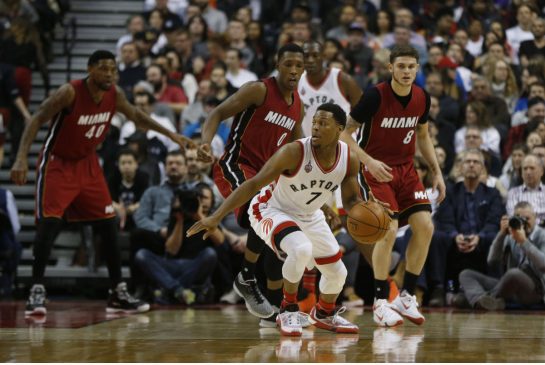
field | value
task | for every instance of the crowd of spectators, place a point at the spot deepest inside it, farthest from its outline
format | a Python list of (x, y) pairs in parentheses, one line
[(481, 61)]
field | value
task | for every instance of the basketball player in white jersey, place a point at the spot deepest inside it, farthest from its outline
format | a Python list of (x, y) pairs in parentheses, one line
[(296, 181)]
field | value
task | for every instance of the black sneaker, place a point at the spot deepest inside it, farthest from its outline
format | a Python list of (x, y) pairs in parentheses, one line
[(121, 301), (256, 303), (35, 304)]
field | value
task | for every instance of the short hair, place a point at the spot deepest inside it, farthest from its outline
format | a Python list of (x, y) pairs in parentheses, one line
[(520, 147), (237, 51), (474, 151), (524, 205), (403, 51), (338, 113), (100, 55), (150, 96), (160, 67), (290, 47), (538, 83), (175, 153), (127, 151)]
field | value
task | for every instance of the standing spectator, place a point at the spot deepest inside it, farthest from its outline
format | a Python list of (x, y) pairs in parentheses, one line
[(237, 75), (532, 190), (10, 248), (172, 95), (126, 187), (10, 102), (470, 216), (518, 256)]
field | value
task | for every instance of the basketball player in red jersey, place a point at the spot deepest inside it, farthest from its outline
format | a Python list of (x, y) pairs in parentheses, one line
[(70, 181), (393, 116), (268, 115)]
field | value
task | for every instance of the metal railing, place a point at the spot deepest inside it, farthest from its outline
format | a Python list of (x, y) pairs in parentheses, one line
[(69, 41)]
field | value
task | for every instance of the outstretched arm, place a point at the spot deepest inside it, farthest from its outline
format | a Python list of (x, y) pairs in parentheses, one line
[(252, 93), (62, 98), (285, 159), (143, 121)]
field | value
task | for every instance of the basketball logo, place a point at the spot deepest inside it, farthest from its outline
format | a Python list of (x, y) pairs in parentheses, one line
[(308, 167), (266, 225)]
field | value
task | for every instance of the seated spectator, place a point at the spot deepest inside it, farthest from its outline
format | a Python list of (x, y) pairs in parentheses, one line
[(449, 109), (520, 133), (496, 108), (502, 81), (160, 109), (533, 47), (517, 255), (216, 19), (171, 94), (221, 87), (535, 90), (130, 69), (512, 171), (10, 248), (237, 75), (532, 190), (357, 52), (135, 23), (468, 218), (153, 215), (236, 35), (158, 145), (188, 261), (347, 15), (162, 7), (144, 42), (476, 116), (441, 132), (126, 187), (138, 143)]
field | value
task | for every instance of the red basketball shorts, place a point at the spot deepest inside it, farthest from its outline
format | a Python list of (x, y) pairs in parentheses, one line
[(75, 189), (228, 177), (405, 193)]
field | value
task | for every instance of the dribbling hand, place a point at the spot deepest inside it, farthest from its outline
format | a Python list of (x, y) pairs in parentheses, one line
[(380, 171), (204, 154), (19, 172)]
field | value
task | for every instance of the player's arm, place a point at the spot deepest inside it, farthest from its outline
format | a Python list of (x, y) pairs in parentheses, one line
[(349, 187), (362, 113), (425, 146), (285, 159), (62, 98), (252, 93), (350, 89), (143, 121), (298, 130)]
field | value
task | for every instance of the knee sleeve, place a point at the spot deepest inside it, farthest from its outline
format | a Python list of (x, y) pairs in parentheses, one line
[(299, 250), (254, 243), (273, 266), (333, 277)]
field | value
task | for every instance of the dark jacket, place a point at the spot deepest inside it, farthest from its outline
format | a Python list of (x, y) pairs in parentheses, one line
[(450, 214)]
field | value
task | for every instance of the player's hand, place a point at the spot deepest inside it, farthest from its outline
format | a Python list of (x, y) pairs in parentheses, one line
[(384, 204), (333, 220), (19, 172), (380, 171), (210, 224), (204, 154), (439, 184), (182, 141)]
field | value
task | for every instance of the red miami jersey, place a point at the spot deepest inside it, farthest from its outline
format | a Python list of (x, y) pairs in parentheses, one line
[(259, 131), (75, 132), (389, 135)]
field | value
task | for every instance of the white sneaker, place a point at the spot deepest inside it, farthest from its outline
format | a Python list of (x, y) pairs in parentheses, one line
[(385, 315), (406, 305), (305, 319), (289, 323)]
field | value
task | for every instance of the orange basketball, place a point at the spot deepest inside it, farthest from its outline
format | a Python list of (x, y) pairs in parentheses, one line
[(368, 222)]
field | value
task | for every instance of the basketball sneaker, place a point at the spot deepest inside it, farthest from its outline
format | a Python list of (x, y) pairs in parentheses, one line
[(333, 322), (385, 314), (35, 304), (406, 305), (256, 303), (290, 321), (270, 322), (120, 300)]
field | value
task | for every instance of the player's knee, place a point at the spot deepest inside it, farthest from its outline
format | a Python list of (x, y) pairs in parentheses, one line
[(333, 277), (303, 252)]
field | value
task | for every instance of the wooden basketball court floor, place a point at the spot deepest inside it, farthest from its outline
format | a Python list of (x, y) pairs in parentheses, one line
[(82, 332)]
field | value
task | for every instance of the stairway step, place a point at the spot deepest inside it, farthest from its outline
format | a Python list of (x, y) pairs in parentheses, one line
[(4, 177), (86, 48), (96, 33), (77, 6), (21, 190), (97, 19), (34, 148)]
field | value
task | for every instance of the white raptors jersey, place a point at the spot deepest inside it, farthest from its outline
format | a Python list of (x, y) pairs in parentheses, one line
[(304, 192), (313, 96)]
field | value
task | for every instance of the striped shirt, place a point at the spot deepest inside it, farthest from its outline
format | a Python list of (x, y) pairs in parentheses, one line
[(536, 197)]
